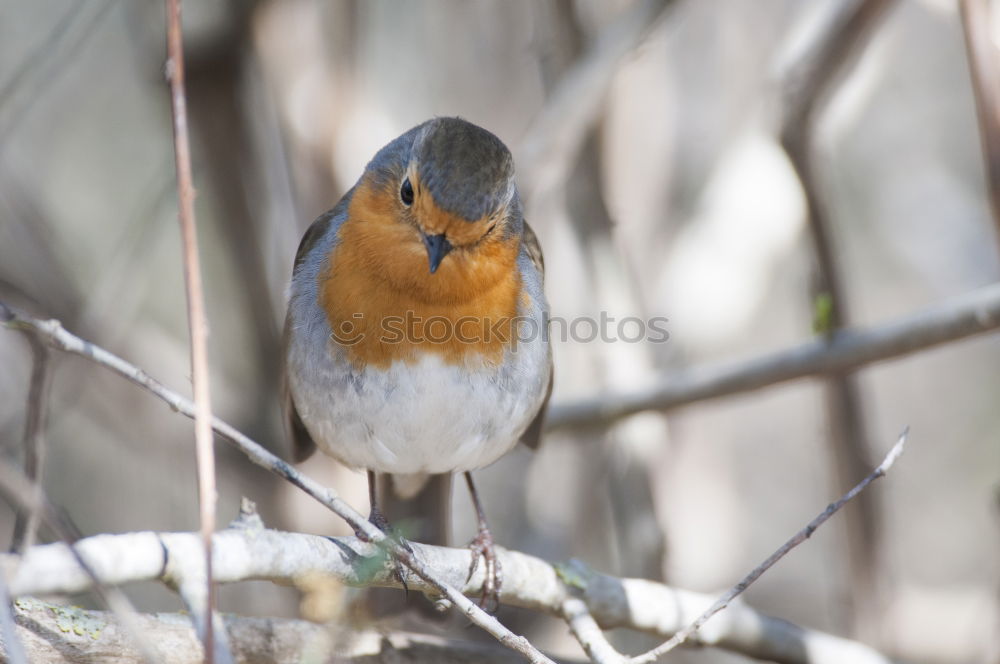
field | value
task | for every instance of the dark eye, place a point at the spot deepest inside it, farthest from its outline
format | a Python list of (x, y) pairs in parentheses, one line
[(489, 230), (406, 192)]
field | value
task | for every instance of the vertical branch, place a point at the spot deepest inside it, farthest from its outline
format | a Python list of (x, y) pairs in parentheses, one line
[(984, 67), (805, 88), (196, 307), (26, 524)]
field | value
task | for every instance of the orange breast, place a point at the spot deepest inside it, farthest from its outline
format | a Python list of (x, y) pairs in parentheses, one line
[(384, 305)]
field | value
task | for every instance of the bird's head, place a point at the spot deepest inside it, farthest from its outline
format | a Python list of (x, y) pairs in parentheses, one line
[(448, 186)]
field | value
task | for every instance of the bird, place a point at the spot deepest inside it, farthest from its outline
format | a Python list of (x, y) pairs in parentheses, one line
[(414, 344)]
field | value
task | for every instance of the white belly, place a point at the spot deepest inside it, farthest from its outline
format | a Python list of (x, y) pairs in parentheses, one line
[(426, 417)]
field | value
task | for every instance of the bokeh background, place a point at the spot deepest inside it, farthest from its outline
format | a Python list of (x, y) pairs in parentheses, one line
[(680, 203)]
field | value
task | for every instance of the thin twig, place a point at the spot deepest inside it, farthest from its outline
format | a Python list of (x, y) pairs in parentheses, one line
[(197, 322), (801, 536), (59, 338), (26, 523), (984, 65), (963, 316)]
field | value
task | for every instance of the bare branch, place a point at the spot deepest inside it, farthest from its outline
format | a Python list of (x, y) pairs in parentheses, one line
[(964, 316), (984, 65), (197, 324), (247, 552), (75, 636), (59, 338), (589, 634), (801, 536)]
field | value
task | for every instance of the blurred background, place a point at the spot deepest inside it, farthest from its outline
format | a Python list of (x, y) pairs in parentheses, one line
[(674, 198)]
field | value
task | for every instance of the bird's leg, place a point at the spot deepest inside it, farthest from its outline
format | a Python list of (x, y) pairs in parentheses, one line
[(375, 516), (377, 519), (482, 545)]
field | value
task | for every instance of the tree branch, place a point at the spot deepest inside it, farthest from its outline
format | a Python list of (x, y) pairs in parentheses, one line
[(964, 316), (70, 635), (250, 552), (201, 602), (589, 634)]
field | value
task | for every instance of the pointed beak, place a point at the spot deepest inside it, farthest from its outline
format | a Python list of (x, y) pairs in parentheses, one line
[(437, 248)]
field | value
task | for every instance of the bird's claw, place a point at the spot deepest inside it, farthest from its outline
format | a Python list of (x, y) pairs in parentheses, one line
[(483, 545)]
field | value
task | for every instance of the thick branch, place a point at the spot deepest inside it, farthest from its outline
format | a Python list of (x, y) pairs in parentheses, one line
[(247, 553), (74, 636), (963, 316)]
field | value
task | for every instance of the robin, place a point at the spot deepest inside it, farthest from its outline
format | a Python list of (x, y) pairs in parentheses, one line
[(414, 341)]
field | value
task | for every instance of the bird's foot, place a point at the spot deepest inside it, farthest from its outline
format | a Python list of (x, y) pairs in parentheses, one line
[(482, 545)]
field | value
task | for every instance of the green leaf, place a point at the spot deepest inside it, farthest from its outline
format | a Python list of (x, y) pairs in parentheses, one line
[(823, 314)]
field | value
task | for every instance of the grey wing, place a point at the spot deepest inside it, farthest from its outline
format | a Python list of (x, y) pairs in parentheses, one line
[(302, 443), (532, 436)]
